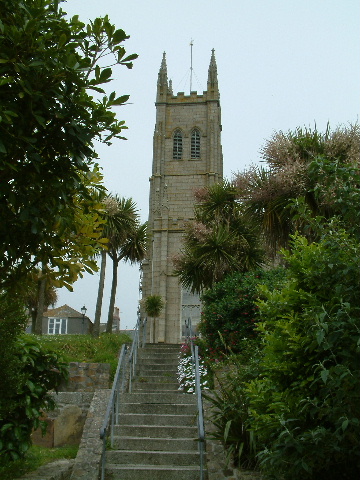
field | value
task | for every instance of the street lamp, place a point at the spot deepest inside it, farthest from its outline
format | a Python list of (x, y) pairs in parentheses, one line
[(83, 311)]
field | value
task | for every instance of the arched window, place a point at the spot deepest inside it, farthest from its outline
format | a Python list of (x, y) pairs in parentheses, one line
[(177, 145), (195, 143)]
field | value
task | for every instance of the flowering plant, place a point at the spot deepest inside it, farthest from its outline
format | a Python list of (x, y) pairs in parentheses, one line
[(186, 371)]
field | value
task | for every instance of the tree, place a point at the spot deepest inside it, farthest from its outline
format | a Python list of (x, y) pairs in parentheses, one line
[(48, 124), (230, 309), (153, 306), (36, 280), (304, 168), (218, 242), (126, 242), (120, 217)]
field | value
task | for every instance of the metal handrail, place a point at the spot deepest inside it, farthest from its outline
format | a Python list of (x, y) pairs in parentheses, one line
[(133, 353), (196, 369), (112, 411)]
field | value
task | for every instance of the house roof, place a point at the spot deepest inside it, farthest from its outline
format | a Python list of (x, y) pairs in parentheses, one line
[(63, 311)]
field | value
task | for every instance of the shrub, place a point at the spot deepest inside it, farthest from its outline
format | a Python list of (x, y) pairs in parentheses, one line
[(38, 372), (230, 312), (230, 406), (305, 404)]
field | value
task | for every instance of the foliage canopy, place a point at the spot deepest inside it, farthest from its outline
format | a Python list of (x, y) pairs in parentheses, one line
[(48, 123)]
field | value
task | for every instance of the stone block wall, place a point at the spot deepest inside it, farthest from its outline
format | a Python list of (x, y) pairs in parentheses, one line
[(87, 377), (65, 424)]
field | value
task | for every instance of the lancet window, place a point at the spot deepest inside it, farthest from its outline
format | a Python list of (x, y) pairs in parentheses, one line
[(195, 143), (178, 145)]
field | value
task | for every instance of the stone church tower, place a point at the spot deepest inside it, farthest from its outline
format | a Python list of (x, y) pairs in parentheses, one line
[(187, 155)]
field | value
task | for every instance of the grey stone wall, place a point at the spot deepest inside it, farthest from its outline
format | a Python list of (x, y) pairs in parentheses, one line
[(86, 377)]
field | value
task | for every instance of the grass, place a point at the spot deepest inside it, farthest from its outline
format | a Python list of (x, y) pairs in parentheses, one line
[(34, 458), (85, 348)]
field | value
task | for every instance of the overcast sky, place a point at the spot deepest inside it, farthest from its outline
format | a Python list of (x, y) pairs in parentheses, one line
[(282, 64)]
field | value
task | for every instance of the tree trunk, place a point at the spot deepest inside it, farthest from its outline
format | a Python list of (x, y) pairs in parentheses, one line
[(33, 319), (112, 296), (96, 329), (41, 303)]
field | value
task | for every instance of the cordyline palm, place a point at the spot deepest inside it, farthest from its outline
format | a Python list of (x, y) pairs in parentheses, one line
[(306, 169), (128, 245), (120, 215), (218, 242)]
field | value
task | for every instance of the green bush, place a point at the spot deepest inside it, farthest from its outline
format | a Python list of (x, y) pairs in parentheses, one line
[(230, 311), (38, 372), (305, 403)]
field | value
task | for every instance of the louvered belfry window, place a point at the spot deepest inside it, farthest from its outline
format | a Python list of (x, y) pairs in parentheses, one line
[(178, 145), (195, 143)]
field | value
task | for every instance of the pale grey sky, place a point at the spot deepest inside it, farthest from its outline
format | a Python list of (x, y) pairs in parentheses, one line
[(282, 64)]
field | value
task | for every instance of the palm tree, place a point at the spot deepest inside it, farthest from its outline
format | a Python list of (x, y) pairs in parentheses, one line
[(306, 170), (218, 242), (127, 244), (153, 305), (120, 216)]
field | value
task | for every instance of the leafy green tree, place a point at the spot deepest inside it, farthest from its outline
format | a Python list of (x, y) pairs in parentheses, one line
[(31, 295), (218, 242), (48, 123), (126, 241), (230, 311), (305, 402)]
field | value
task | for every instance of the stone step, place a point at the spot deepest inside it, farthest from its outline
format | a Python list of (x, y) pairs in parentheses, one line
[(160, 408), (160, 358), (152, 457), (155, 444), (156, 431), (152, 472), (158, 398), (168, 378), (155, 367), (154, 387), (158, 419)]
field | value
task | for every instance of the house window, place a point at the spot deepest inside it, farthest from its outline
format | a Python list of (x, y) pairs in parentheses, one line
[(57, 326), (195, 143), (177, 145)]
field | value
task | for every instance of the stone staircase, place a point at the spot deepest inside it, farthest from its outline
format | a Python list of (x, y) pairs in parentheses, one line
[(157, 435)]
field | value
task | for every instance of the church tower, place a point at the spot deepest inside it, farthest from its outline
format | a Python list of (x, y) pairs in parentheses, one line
[(187, 155)]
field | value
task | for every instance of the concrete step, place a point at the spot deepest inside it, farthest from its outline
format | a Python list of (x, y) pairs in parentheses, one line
[(167, 359), (168, 378), (152, 472), (158, 419), (158, 398), (155, 444), (154, 387), (161, 408), (152, 457), (156, 367), (156, 431)]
